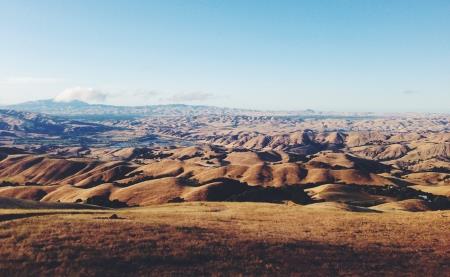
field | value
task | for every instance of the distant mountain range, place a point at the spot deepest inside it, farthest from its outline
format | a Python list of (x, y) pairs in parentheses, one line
[(82, 109), (17, 122), (79, 108)]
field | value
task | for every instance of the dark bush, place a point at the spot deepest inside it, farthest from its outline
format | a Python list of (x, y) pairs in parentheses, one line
[(440, 203), (176, 200), (105, 202), (273, 194)]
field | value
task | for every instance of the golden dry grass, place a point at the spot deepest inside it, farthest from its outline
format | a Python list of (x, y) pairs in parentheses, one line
[(224, 239)]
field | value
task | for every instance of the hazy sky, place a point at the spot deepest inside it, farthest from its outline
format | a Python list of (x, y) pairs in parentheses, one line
[(345, 55)]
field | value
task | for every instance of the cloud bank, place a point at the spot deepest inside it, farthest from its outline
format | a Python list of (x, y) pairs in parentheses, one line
[(122, 97), (88, 95)]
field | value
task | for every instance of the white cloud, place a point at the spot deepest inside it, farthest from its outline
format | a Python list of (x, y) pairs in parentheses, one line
[(89, 95), (189, 97)]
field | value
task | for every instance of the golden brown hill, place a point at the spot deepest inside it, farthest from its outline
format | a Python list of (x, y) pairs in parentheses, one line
[(337, 207), (185, 174), (13, 203), (410, 205), (431, 165), (205, 152), (73, 194), (254, 168), (218, 190), (249, 158), (428, 178), (345, 176), (393, 151), (347, 194), (363, 138), (346, 161), (150, 192), (43, 170), (443, 190), (334, 138), (26, 192), (425, 151)]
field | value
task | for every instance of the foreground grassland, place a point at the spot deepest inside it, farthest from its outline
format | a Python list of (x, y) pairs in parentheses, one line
[(223, 239)]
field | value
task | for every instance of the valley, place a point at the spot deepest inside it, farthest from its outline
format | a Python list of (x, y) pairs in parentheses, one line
[(227, 157), (229, 191)]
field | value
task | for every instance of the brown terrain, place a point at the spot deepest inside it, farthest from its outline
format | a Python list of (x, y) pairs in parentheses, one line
[(223, 238), (201, 194)]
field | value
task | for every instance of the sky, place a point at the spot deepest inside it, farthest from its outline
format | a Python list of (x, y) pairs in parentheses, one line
[(329, 55)]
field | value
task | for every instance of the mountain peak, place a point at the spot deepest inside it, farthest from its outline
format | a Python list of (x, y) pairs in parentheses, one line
[(71, 102)]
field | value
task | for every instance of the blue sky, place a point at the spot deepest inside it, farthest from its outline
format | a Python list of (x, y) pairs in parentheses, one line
[(342, 55)]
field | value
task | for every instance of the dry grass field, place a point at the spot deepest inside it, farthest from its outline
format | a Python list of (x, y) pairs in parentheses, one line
[(201, 238)]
